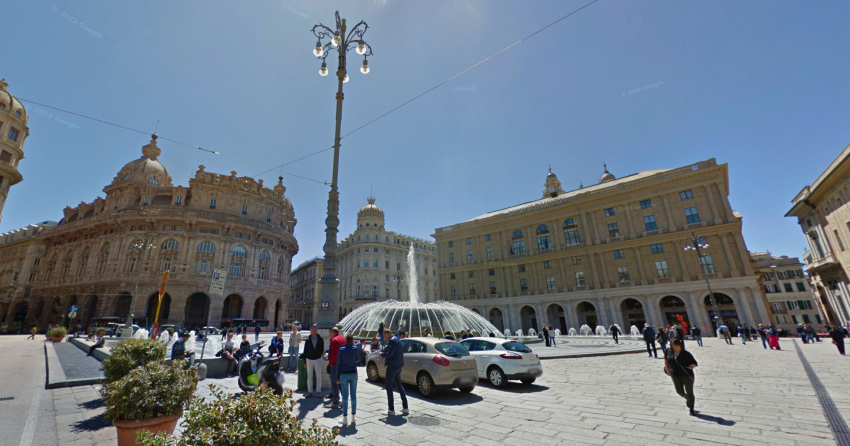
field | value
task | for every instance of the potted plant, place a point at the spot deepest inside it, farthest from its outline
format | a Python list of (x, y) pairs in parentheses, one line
[(150, 398), (129, 354), (258, 418), (57, 334)]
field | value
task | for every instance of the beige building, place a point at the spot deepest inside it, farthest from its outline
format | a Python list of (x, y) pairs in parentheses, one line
[(305, 291), (91, 258), (13, 132), (608, 253), (787, 290), (823, 213), (373, 263)]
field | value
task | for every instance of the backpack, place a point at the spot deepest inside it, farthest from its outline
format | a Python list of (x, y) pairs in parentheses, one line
[(723, 329)]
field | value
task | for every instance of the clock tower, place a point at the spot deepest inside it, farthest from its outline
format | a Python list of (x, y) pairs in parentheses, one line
[(552, 186)]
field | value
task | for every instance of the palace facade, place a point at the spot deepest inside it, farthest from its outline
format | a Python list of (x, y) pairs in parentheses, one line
[(787, 291), (13, 133), (305, 292), (605, 254), (94, 256)]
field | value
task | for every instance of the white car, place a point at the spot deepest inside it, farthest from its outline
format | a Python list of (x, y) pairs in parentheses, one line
[(500, 360)]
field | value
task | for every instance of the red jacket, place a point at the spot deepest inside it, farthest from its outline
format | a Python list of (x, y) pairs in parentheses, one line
[(336, 342)]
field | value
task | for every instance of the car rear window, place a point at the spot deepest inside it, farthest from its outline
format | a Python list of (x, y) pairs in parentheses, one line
[(451, 349), (513, 346)]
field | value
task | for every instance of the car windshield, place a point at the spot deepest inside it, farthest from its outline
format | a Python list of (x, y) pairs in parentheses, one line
[(514, 346), (452, 349)]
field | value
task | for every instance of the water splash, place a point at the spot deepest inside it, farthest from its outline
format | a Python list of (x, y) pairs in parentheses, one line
[(412, 277)]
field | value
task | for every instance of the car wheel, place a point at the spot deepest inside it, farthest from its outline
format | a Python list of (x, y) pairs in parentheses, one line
[(426, 385), (496, 377), (528, 381), (466, 389), (372, 372)]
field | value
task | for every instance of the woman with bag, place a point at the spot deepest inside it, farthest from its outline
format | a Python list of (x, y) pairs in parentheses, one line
[(347, 378), (679, 364)]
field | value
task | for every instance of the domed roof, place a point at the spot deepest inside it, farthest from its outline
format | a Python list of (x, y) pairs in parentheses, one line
[(606, 176), (9, 101), (146, 167), (371, 209)]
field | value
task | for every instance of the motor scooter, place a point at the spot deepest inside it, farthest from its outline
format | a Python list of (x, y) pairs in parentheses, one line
[(256, 370)]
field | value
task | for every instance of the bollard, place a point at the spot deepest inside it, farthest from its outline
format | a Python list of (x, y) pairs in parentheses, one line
[(202, 371), (302, 375)]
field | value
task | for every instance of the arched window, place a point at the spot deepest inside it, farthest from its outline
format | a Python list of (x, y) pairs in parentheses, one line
[(517, 243), (204, 258), (237, 261), (264, 265), (66, 265), (82, 263), (171, 245), (153, 181), (102, 257), (543, 238), (168, 255), (280, 270), (571, 236), (206, 247)]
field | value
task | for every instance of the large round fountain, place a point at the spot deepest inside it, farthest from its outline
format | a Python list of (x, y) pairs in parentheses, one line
[(439, 318)]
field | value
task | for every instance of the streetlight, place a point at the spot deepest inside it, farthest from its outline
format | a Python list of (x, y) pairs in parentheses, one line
[(694, 243), (341, 40), (139, 246), (398, 279)]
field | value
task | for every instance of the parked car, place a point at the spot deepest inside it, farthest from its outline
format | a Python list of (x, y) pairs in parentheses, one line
[(501, 360), (432, 364), (211, 331)]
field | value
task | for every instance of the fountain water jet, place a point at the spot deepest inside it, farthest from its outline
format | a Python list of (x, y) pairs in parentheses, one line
[(585, 330), (634, 331), (572, 332)]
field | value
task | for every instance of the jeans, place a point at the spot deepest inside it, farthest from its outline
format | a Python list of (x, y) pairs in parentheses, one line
[(804, 337), (699, 339), (552, 340), (334, 385), (314, 369), (382, 341), (616, 338), (293, 358), (663, 347), (348, 383), (764, 342), (685, 388), (744, 339), (651, 348), (728, 338), (394, 378)]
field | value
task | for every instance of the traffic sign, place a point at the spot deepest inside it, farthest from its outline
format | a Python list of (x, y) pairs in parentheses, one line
[(75, 308), (72, 314), (219, 278)]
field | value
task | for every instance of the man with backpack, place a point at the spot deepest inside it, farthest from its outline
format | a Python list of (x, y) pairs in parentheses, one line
[(724, 331)]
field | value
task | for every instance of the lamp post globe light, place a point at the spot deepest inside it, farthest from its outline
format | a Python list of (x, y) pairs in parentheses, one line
[(341, 40), (696, 243), (139, 246)]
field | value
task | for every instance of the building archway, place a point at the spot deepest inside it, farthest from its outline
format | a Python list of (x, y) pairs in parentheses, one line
[(232, 307), (260, 308), (587, 315), (476, 311), (557, 317), (632, 314), (37, 310), (88, 312), (277, 315), (528, 318), (122, 305), (164, 308), (18, 314), (496, 319), (54, 313), (197, 310), (674, 311), (728, 311)]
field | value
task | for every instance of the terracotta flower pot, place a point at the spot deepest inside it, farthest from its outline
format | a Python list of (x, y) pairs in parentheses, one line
[(127, 429), (57, 338)]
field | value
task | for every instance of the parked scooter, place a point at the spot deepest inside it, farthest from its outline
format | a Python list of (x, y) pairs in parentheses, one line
[(255, 370)]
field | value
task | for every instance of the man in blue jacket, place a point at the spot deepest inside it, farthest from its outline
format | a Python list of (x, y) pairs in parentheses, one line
[(394, 360), (649, 339)]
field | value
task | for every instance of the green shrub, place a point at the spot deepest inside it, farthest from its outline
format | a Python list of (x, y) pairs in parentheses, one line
[(57, 332), (150, 391), (129, 354), (258, 419)]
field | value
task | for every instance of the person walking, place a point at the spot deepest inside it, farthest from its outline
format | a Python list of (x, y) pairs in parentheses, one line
[(294, 346), (381, 335), (337, 342), (837, 334), (679, 364), (697, 334), (649, 339), (662, 340), (801, 332), (394, 361), (347, 358), (545, 335), (762, 333), (742, 333), (773, 338), (724, 331), (257, 333), (680, 333), (313, 350), (615, 333), (33, 332)]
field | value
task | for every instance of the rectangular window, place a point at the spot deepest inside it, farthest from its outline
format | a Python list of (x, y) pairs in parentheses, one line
[(518, 246), (451, 258), (657, 248), (613, 230), (619, 254), (488, 237), (645, 204), (5, 156), (609, 212), (692, 215), (13, 134), (792, 305), (451, 244), (470, 274), (468, 255), (468, 241), (375, 263), (807, 319), (801, 286), (387, 264), (649, 223), (788, 288), (550, 282), (491, 272), (521, 268), (244, 209), (493, 288), (489, 252), (771, 288), (178, 200), (452, 276), (269, 217), (546, 264), (661, 269), (523, 284), (838, 239), (686, 195), (454, 291), (576, 260), (212, 203), (398, 266), (365, 263), (623, 273), (147, 200), (817, 318), (472, 289), (580, 279), (707, 264), (374, 249)]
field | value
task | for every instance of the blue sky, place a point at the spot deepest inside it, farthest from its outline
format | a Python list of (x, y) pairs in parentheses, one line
[(760, 85)]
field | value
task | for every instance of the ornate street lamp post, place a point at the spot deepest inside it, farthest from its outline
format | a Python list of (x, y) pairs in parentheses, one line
[(139, 246), (341, 40), (695, 243)]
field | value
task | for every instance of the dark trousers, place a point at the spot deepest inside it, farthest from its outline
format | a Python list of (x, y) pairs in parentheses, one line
[(651, 348), (663, 347), (699, 339), (394, 379), (840, 344), (616, 338), (334, 386), (764, 342), (685, 388)]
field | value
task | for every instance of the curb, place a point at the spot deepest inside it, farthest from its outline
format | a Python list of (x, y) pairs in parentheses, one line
[(55, 375), (590, 355)]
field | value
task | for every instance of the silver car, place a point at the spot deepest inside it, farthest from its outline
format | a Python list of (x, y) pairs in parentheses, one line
[(432, 364), (500, 360)]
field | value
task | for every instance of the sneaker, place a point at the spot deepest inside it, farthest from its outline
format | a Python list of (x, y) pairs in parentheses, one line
[(344, 421), (353, 421), (308, 395), (405, 412), (693, 413), (333, 405), (389, 413)]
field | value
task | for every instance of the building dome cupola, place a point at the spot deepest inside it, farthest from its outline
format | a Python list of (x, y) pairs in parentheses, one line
[(147, 169), (606, 176), (552, 187), (370, 216)]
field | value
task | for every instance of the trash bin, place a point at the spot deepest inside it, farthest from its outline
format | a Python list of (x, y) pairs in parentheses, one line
[(302, 375)]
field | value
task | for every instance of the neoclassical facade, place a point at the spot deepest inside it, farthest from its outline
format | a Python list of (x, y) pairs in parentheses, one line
[(305, 291), (13, 132), (373, 263), (787, 290), (608, 253), (823, 213), (144, 226)]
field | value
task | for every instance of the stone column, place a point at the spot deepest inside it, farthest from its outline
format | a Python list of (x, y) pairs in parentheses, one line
[(714, 215), (631, 226), (587, 237), (671, 225), (643, 279), (697, 313), (572, 317), (743, 308)]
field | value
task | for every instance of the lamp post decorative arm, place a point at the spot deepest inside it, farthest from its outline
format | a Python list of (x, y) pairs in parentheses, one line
[(140, 245), (695, 243)]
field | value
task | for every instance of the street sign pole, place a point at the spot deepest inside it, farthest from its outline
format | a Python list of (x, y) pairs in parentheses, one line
[(162, 285), (219, 277)]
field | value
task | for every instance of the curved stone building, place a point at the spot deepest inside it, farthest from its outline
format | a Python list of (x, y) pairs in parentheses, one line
[(13, 132), (144, 226)]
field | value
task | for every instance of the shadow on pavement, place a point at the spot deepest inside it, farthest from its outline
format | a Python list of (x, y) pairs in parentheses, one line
[(92, 424), (450, 397), (515, 387), (345, 431), (718, 420), (394, 421), (92, 404), (305, 405)]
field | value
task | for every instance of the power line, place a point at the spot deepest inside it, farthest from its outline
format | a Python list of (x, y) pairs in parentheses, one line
[(441, 83), (166, 139)]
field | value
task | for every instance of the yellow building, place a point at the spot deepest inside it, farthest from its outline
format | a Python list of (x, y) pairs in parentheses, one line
[(787, 290), (304, 292), (13, 133), (604, 254)]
